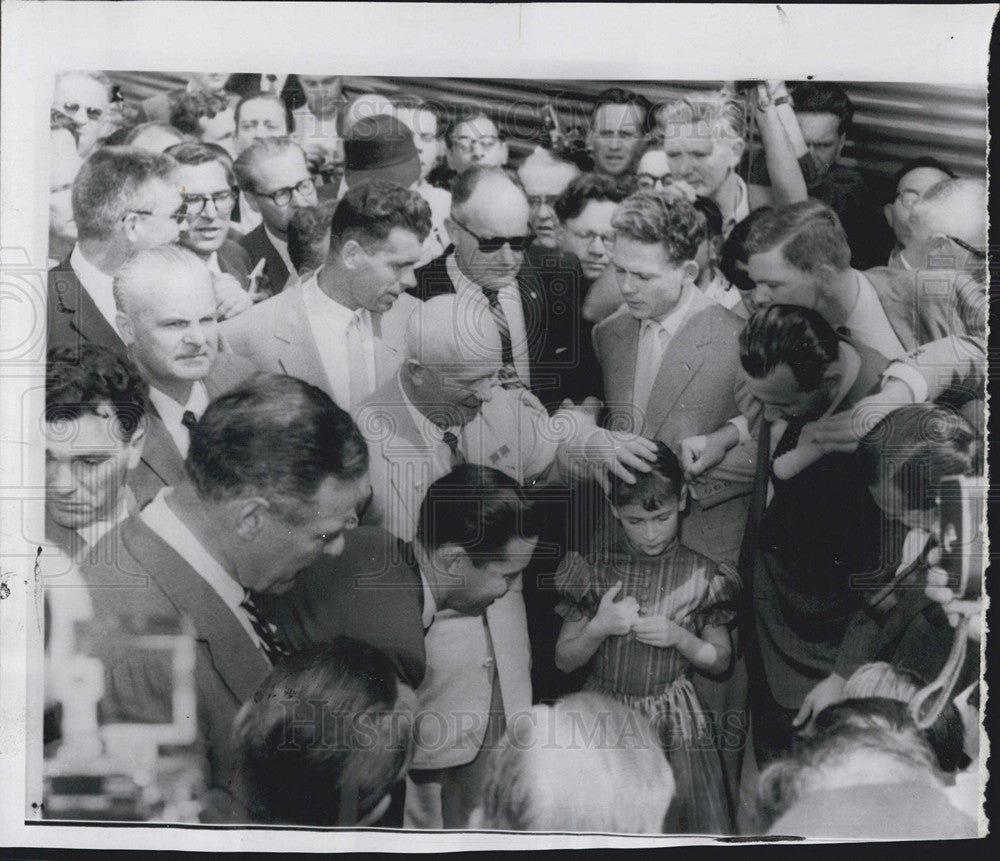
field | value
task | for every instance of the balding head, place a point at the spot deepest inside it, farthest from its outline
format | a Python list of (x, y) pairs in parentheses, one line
[(453, 353), (950, 216), (487, 204), (166, 314), (364, 106)]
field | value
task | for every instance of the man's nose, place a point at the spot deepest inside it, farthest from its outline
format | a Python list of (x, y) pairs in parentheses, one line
[(408, 278), (334, 547), (761, 296), (196, 334)]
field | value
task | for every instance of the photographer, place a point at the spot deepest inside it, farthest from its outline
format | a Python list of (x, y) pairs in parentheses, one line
[(907, 621)]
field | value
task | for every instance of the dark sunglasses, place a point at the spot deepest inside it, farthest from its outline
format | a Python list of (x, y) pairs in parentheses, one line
[(492, 244)]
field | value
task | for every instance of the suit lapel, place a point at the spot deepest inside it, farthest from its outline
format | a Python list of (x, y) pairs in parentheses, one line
[(160, 452), (622, 355), (85, 319), (238, 661), (686, 353), (298, 355)]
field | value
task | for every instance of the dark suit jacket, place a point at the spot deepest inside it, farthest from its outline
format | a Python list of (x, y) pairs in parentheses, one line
[(370, 592), (161, 464), (73, 317), (257, 245), (234, 260), (560, 354)]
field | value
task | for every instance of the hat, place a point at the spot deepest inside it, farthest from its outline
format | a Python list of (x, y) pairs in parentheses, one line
[(380, 147)]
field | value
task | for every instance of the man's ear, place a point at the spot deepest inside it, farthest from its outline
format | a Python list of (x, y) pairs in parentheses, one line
[(887, 212), (682, 498), (832, 377), (840, 145), (125, 328), (689, 270), (416, 372), (506, 152), (452, 229), (351, 253), (249, 515), (736, 147), (451, 559), (128, 226)]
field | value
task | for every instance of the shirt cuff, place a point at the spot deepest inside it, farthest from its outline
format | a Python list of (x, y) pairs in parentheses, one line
[(742, 427), (909, 375)]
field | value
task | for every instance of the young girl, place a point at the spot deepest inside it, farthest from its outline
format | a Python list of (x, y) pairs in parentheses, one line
[(643, 611)]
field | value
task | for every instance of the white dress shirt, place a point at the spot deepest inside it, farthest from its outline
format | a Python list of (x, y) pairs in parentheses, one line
[(98, 284), (158, 517), (172, 412), (510, 304), (94, 532), (654, 338), (330, 322), (869, 324)]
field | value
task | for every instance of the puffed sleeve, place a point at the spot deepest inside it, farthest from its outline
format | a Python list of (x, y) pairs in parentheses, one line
[(576, 583), (722, 591)]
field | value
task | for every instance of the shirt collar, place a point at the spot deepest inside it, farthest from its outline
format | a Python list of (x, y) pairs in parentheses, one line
[(93, 532), (671, 321), (323, 304), (851, 364), (172, 412), (87, 272)]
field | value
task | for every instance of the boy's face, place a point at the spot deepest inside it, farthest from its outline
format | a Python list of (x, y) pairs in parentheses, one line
[(650, 532)]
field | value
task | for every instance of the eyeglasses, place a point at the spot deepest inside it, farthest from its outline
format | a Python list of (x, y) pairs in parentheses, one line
[(178, 217), (975, 252), (647, 180), (492, 244), (537, 201), (283, 196), (589, 236), (465, 144), (93, 114), (223, 201)]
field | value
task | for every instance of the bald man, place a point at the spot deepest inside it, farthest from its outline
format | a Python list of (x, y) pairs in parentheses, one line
[(535, 308), (948, 227), (544, 178), (167, 317)]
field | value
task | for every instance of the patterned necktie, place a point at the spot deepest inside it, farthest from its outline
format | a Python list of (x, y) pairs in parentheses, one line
[(267, 633), (789, 439), (189, 420), (457, 458), (508, 373)]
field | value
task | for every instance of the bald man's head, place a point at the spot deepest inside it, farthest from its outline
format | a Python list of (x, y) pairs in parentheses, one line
[(487, 205), (166, 314), (453, 354), (364, 106), (948, 226)]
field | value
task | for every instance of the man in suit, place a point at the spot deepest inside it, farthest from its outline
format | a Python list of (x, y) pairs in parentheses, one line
[(95, 427), (124, 200), (209, 192), (167, 317), (536, 312), (273, 175), (477, 531), (670, 359), (343, 328), (275, 474)]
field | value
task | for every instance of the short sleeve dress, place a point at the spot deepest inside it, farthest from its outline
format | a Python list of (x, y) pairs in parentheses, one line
[(694, 592)]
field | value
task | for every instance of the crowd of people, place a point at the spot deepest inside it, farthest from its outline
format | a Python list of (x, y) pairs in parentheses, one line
[(598, 489)]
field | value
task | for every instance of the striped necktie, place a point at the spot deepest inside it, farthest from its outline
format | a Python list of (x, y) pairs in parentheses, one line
[(457, 458), (508, 373), (267, 633)]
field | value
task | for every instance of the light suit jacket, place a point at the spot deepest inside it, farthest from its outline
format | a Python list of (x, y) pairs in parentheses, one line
[(277, 337), (694, 393)]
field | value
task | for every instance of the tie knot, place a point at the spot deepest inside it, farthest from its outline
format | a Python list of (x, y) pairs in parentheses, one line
[(189, 419), (451, 441)]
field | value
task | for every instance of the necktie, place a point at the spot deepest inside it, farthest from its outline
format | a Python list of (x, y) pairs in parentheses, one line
[(267, 633), (189, 420), (508, 373), (789, 439), (357, 362), (457, 458), (655, 343)]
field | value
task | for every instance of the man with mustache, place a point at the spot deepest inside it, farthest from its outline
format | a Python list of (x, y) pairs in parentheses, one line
[(167, 316)]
